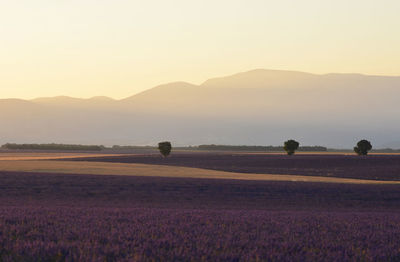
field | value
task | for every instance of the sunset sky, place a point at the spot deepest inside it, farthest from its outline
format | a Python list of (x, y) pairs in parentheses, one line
[(86, 48)]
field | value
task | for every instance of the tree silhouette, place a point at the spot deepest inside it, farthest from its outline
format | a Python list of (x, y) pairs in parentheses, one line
[(290, 146), (362, 148), (165, 148)]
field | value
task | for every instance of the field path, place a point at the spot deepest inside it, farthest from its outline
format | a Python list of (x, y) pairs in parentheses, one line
[(103, 168)]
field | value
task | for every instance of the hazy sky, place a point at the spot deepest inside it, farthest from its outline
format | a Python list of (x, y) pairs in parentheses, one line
[(117, 48)]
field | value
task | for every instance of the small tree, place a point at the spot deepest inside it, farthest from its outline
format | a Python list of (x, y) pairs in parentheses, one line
[(165, 148), (362, 148), (290, 146)]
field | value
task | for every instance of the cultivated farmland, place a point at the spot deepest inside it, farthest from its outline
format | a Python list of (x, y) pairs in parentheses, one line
[(145, 208), (374, 167)]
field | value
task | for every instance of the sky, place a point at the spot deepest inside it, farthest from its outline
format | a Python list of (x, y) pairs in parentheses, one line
[(116, 48)]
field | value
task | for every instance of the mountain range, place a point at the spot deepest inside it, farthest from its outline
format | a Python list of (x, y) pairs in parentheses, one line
[(258, 107)]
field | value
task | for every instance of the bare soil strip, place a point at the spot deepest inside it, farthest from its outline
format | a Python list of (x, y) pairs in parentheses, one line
[(101, 168)]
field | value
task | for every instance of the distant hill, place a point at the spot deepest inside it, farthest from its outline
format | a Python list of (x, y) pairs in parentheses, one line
[(66, 101), (259, 107), (261, 78)]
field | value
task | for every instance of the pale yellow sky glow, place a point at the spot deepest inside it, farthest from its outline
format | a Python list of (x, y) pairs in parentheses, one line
[(86, 48)]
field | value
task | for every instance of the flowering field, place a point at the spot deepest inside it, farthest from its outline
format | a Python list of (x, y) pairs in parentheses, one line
[(376, 167), (66, 217), (17, 188), (113, 234)]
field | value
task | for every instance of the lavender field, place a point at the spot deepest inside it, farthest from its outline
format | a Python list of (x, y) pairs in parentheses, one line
[(375, 167), (199, 131), (62, 217), (138, 234)]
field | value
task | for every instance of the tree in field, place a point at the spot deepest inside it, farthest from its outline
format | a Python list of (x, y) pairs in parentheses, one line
[(165, 148), (362, 148), (290, 146)]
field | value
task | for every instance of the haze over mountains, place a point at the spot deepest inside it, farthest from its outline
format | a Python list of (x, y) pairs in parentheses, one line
[(259, 107)]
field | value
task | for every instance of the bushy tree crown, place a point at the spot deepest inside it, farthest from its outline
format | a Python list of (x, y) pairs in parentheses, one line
[(165, 148), (291, 146)]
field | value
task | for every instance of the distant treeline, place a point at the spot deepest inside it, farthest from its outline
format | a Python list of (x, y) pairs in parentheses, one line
[(385, 150), (211, 147), (53, 147), (260, 148), (133, 147), (378, 150)]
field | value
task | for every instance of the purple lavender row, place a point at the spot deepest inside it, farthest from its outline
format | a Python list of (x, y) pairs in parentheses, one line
[(107, 234)]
